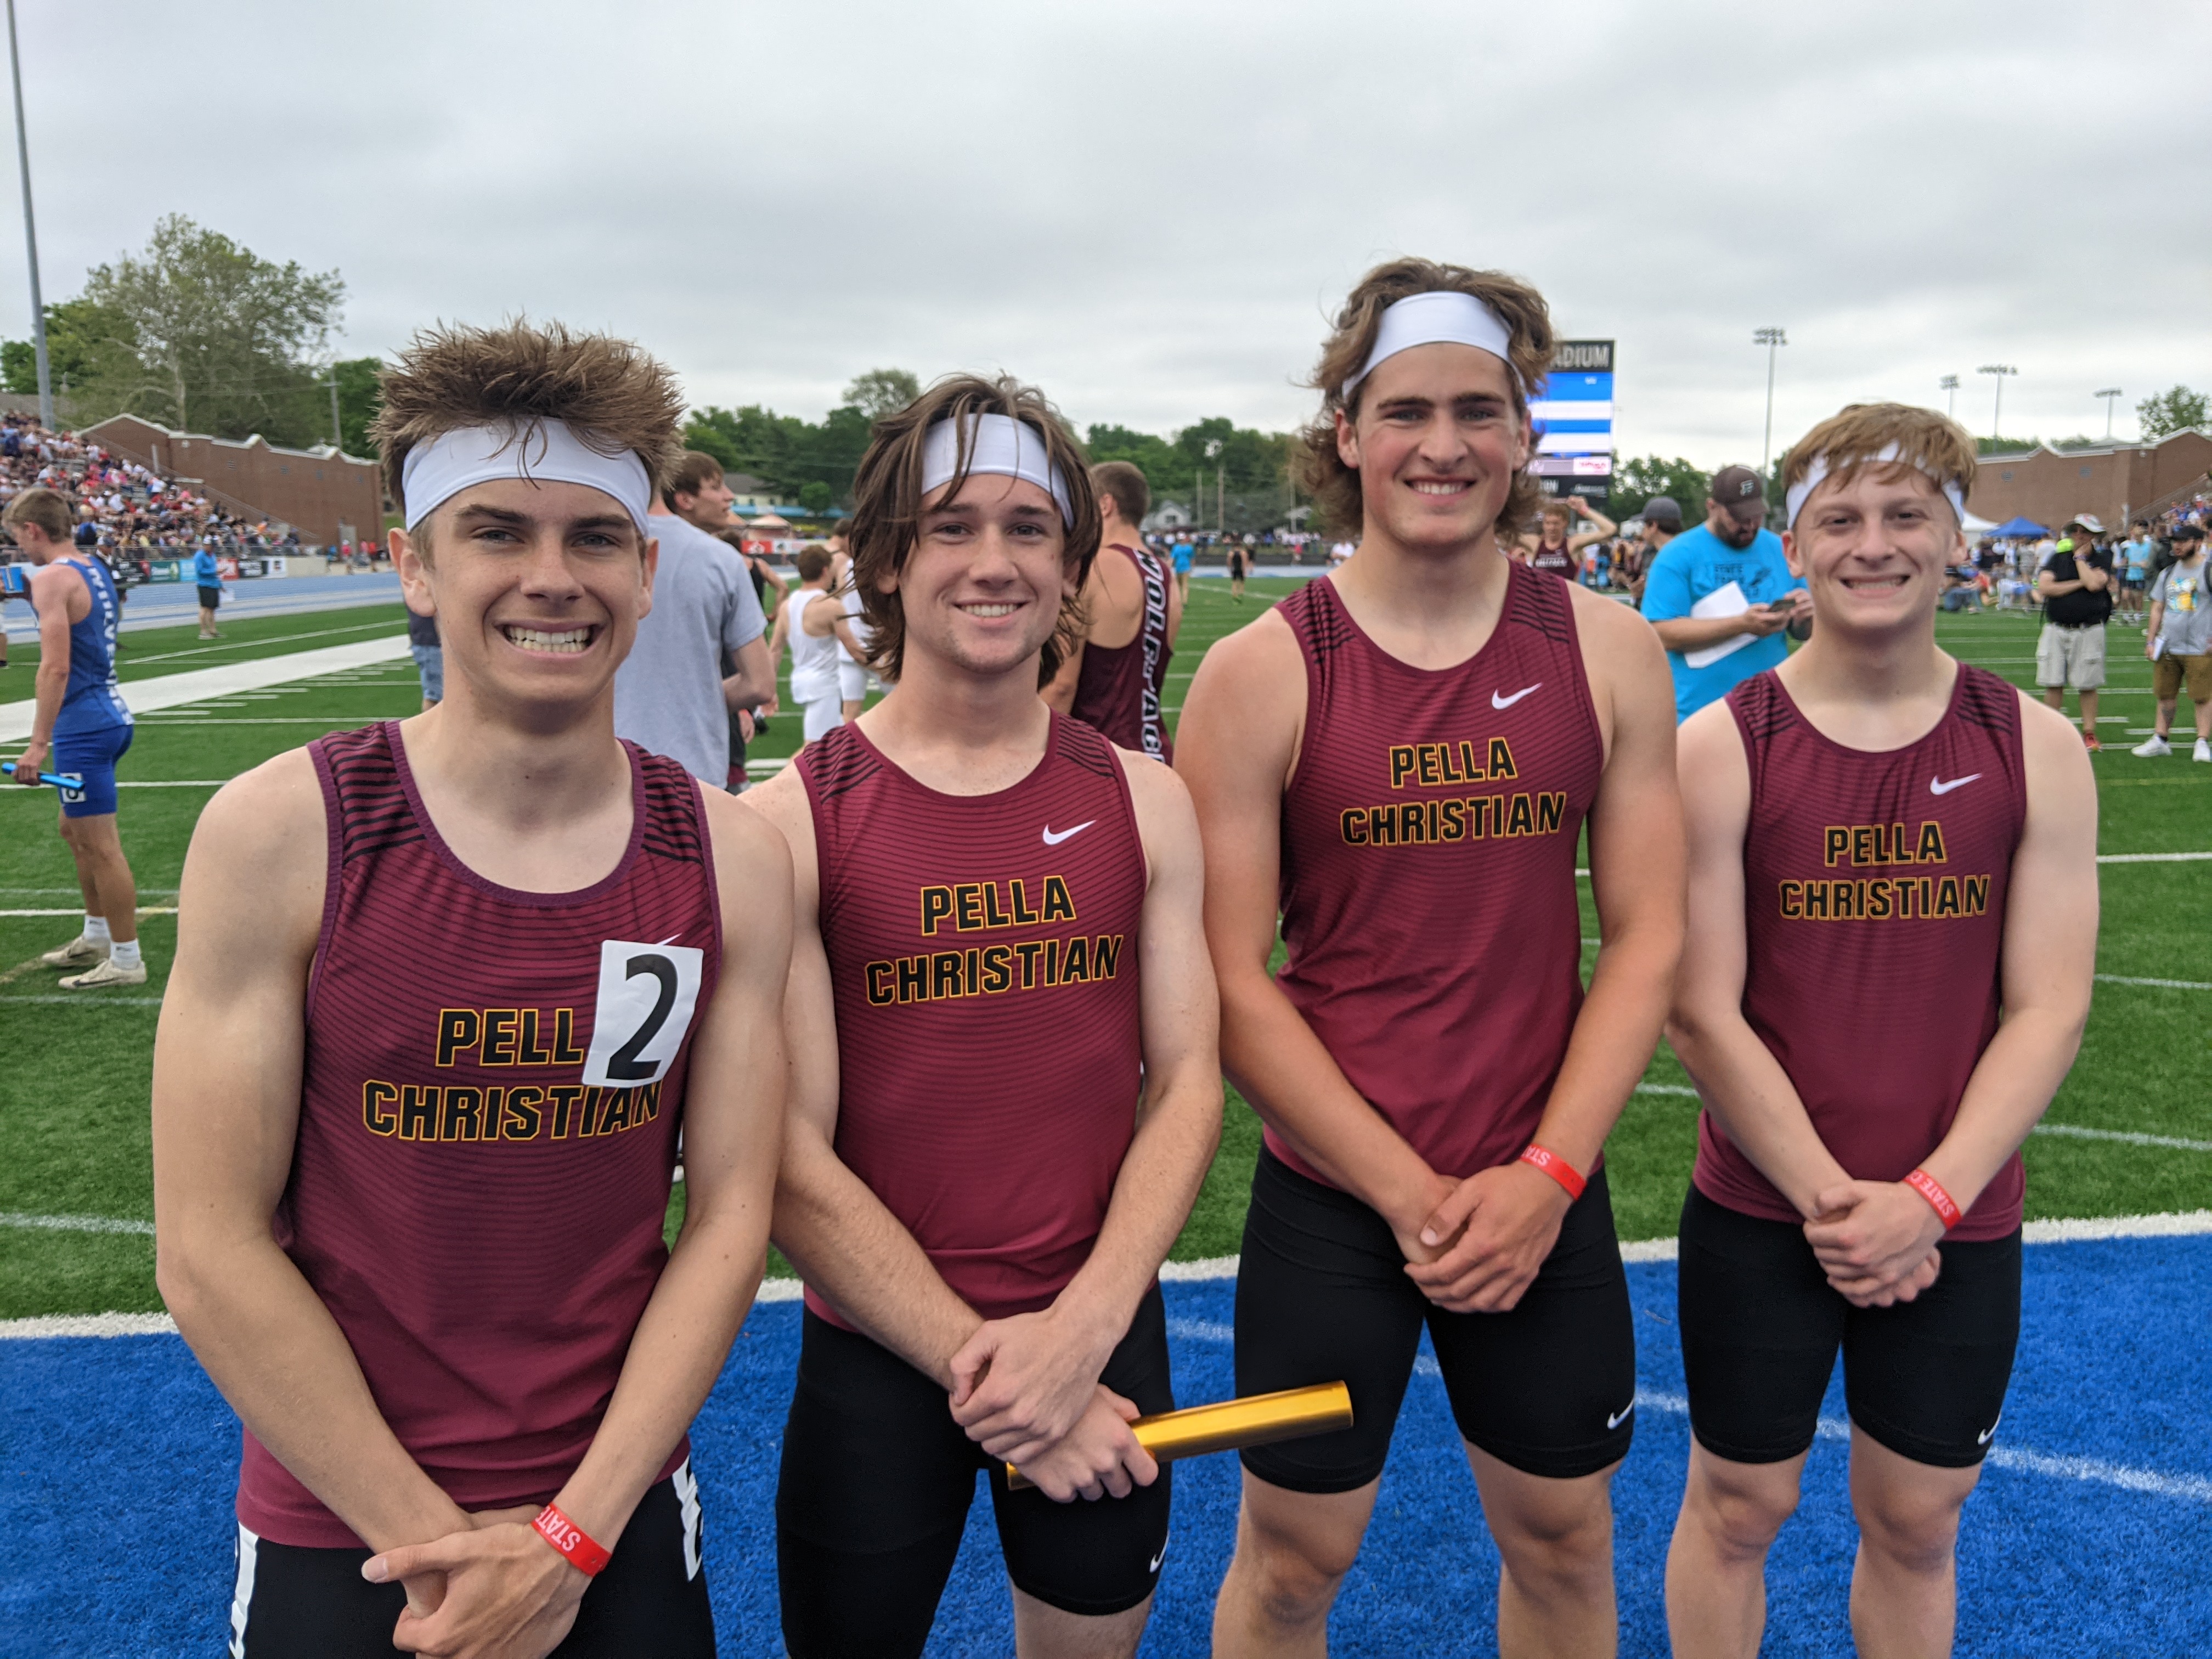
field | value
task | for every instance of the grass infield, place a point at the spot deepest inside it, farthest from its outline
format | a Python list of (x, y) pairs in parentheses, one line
[(74, 1138)]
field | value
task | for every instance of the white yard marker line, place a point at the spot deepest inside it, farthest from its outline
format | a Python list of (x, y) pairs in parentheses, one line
[(205, 684), (86, 999), (105, 1325), (2162, 984), (2153, 858), (74, 1224), (143, 910), (2133, 1138)]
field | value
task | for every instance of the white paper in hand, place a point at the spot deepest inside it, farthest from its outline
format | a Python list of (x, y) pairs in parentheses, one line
[(1721, 602)]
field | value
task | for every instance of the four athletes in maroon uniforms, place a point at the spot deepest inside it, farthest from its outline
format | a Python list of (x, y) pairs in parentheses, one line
[(1005, 1087), (1400, 758), (1119, 640), (446, 989), (1892, 924)]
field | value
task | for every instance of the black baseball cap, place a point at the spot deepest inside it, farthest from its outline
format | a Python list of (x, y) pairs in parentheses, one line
[(1732, 484), (1664, 511), (2188, 532)]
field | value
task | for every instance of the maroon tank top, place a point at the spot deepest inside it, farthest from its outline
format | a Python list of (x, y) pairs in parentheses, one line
[(1874, 920), (983, 957), (1118, 688), (1428, 883), (492, 1087), (1556, 559)]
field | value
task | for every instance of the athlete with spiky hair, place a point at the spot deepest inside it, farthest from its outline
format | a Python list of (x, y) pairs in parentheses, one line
[(446, 989)]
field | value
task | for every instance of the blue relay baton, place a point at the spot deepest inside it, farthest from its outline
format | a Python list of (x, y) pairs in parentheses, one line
[(59, 780)]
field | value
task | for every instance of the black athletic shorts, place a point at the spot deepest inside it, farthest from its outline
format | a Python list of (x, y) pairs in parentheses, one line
[(1321, 1295), (1761, 1325), (876, 1480), (294, 1602)]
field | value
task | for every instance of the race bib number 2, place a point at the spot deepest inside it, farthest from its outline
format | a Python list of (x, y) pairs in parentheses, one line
[(648, 993)]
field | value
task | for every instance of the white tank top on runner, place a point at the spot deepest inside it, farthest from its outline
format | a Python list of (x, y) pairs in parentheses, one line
[(813, 661)]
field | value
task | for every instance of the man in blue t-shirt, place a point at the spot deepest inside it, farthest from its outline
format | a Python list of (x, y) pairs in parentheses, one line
[(1719, 596), (207, 575), (2135, 570)]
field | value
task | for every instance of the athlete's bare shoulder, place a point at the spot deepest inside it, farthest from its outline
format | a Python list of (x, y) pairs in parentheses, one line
[(781, 799), (744, 839), (1626, 664), (1245, 710), (259, 858), (1161, 799), (1261, 657), (2059, 772)]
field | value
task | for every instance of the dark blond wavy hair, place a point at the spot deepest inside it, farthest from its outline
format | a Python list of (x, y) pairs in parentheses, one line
[(1317, 468)]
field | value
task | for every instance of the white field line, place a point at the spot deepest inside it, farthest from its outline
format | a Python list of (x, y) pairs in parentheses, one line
[(85, 999), (2163, 984), (204, 684), (74, 1224), (2153, 858), (2133, 1138), (148, 911)]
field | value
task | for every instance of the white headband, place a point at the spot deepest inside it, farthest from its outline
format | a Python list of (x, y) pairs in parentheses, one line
[(998, 444), (550, 452), (1441, 317), (1801, 491)]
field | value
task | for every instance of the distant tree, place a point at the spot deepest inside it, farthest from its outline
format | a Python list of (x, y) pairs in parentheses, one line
[(223, 341), (882, 392), (2006, 445), (1637, 481), (816, 496), (359, 398), (2173, 411), (785, 452), (85, 343)]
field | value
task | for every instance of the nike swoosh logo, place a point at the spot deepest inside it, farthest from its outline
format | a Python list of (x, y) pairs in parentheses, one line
[(1619, 1417), (1156, 1560), (1937, 786), (1051, 840), (1983, 1439), (1497, 702)]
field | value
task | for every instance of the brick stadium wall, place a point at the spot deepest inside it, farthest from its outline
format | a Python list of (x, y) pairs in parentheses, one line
[(2049, 487), (327, 496)]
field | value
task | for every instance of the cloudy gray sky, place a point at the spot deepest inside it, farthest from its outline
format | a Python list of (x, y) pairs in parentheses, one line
[(1149, 207)]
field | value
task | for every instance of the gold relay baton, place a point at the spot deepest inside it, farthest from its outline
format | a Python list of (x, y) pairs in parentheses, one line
[(1233, 1424)]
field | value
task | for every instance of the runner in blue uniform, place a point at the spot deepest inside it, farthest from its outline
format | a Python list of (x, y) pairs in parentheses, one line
[(80, 726)]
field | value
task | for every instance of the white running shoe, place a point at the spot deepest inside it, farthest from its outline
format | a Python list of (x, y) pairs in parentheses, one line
[(105, 974), (79, 952), (2204, 750), (2152, 748)]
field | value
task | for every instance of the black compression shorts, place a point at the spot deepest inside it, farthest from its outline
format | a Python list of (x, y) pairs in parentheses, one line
[(650, 1598), (1322, 1294), (1761, 1326), (873, 1497)]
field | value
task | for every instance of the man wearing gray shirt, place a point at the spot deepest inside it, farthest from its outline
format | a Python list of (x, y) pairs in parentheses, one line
[(670, 694), (2178, 643)]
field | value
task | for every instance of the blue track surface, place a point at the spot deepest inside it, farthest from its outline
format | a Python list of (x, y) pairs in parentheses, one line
[(119, 1460), (171, 604)]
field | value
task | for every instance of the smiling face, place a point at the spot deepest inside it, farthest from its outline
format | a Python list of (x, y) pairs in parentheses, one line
[(982, 589), (1438, 443), (1873, 545), (538, 589)]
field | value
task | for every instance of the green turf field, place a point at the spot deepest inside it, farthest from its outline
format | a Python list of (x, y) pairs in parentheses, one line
[(74, 1139)]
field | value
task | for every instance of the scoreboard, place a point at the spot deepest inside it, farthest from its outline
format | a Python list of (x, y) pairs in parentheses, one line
[(1573, 412)]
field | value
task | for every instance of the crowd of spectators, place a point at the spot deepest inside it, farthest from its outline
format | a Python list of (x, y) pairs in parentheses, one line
[(125, 512)]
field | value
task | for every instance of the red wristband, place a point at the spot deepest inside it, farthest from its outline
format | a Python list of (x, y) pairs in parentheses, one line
[(1556, 1167), (571, 1541), (1938, 1200)]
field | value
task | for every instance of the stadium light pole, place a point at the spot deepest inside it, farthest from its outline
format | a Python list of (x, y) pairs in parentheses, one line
[(1950, 384), (1769, 338), (31, 233), (2108, 394), (1996, 415)]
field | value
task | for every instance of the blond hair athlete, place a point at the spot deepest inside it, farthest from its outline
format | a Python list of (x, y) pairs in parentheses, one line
[(1893, 925)]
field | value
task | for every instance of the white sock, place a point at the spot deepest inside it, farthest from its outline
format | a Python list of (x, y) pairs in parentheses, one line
[(95, 928), (124, 953)]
